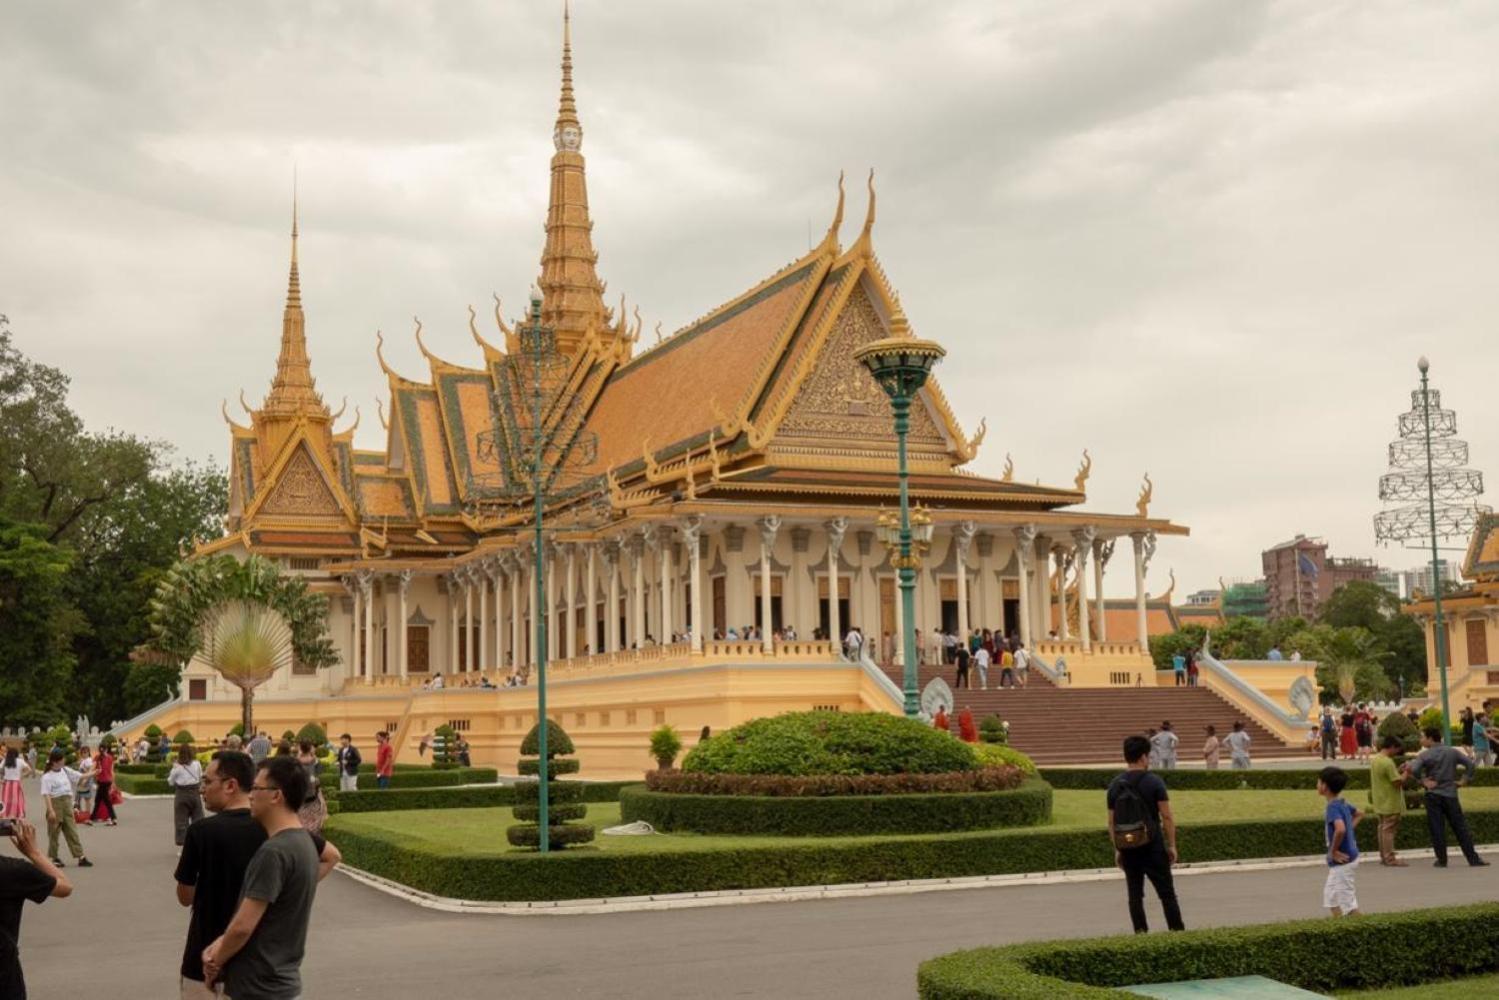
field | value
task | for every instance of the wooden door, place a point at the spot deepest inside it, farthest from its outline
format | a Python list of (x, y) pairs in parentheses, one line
[(418, 649), (887, 611), (720, 605), (1478, 642)]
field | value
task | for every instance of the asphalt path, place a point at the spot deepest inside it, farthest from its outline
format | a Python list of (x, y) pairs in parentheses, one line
[(121, 933)]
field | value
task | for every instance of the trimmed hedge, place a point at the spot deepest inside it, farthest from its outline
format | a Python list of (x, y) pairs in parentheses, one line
[(1317, 955), (493, 796), (146, 769), (424, 778), (989, 779), (1097, 779), (803, 743), (583, 875), (138, 784), (838, 815)]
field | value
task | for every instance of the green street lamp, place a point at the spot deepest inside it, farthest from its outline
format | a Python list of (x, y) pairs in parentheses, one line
[(900, 366)]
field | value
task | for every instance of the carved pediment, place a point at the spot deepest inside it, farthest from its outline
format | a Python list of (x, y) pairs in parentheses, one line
[(301, 491), (839, 399)]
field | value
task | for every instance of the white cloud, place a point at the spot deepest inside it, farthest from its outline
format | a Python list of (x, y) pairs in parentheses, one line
[(1207, 240)]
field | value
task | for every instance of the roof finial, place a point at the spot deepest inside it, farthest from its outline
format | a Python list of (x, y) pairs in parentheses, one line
[(866, 238), (294, 283), (567, 110), (830, 241)]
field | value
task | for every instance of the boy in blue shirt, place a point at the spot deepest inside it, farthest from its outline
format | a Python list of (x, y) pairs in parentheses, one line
[(1339, 821)]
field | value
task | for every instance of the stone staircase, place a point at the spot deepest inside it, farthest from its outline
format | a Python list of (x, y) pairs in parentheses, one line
[(1088, 725)]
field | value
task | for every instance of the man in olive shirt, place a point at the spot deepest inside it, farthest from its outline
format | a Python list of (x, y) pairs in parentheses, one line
[(1436, 768), (1386, 799), (259, 956)]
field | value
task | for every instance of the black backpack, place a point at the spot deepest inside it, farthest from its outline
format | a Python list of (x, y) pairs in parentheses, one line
[(1131, 816)]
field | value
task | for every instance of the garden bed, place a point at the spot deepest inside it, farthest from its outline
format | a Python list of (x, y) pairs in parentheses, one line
[(1320, 955), (465, 855), (1226, 780), (493, 796), (1029, 804)]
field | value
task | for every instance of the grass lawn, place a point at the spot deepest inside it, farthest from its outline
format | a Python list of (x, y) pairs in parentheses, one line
[(1478, 988), (481, 832)]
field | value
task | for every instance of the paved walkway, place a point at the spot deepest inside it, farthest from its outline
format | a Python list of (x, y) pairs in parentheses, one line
[(122, 927)]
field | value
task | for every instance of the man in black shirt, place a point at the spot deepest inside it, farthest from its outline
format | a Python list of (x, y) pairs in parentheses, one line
[(35, 879), (215, 856), (1139, 790)]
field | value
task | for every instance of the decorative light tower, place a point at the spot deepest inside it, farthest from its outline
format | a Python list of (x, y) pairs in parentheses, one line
[(900, 365), (1434, 496)]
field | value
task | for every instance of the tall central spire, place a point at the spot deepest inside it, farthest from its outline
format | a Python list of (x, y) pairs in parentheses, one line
[(572, 295), (293, 392)]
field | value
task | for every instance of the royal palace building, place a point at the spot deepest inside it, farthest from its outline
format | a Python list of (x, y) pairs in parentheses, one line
[(723, 481)]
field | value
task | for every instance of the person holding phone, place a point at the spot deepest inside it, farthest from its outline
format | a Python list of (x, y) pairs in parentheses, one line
[(31, 877)]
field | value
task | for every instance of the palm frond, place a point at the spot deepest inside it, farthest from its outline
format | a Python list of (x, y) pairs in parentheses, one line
[(246, 642)]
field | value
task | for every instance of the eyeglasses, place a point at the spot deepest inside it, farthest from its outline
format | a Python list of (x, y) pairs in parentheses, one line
[(264, 788)]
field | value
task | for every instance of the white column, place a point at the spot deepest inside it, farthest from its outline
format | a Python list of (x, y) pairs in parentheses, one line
[(1144, 545), (517, 640), (692, 529), (403, 584), (637, 595), (367, 591), (1102, 552), (493, 568), (900, 629), (1025, 558), (571, 633), (1041, 603), (835, 529), (591, 600), (962, 538), (1084, 538), (1064, 627), (769, 525), (663, 558), (481, 662), (552, 604), (352, 583), (611, 608)]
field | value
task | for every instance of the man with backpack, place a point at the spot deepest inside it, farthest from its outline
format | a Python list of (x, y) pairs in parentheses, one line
[(1144, 835), (1329, 731)]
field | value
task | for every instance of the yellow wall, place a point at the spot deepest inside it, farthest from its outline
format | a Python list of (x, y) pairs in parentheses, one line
[(609, 718)]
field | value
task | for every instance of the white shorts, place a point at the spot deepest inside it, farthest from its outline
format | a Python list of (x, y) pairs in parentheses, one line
[(1340, 891)]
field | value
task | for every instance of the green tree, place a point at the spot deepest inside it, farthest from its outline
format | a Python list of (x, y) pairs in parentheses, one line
[(37, 625), (1241, 638), (1343, 655), (248, 618), (1361, 604), (1164, 647), (112, 499)]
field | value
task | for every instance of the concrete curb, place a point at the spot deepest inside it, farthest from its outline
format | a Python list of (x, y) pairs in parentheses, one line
[(796, 894)]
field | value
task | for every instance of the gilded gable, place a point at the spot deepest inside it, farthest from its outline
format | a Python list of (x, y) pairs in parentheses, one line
[(301, 491), (839, 401)]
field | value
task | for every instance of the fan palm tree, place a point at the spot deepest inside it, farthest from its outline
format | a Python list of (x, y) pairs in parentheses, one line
[(246, 643), (246, 618)]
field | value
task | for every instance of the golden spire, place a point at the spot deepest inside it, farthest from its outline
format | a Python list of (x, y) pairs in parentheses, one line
[(293, 392), (572, 295)]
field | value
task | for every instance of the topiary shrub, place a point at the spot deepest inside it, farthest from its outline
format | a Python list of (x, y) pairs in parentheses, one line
[(289, 736), (808, 743), (312, 733), (60, 737), (1431, 718), (1000, 754), (992, 730), (238, 729), (1402, 728), (153, 744), (183, 736), (564, 799), (665, 745), (444, 739), (153, 732)]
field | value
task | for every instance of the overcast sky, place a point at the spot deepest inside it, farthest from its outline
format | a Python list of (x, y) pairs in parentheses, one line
[(1204, 239)]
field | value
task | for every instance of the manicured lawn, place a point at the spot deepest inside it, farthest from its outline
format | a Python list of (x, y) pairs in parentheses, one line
[(1478, 988), (481, 832)]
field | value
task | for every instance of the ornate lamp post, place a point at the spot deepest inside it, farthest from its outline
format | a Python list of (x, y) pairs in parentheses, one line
[(1434, 495), (900, 366)]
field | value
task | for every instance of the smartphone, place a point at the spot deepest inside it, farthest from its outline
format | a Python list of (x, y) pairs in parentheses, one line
[(7, 827)]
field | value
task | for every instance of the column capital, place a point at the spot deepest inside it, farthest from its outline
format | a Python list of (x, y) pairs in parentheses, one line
[(691, 528), (1103, 550), (403, 580), (835, 528), (1083, 539), (962, 534), (366, 580), (611, 549), (768, 525)]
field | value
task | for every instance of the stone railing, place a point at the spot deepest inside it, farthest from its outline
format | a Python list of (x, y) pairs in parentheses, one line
[(624, 661)]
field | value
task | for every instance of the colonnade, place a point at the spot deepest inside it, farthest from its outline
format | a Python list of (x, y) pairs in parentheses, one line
[(651, 582)]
